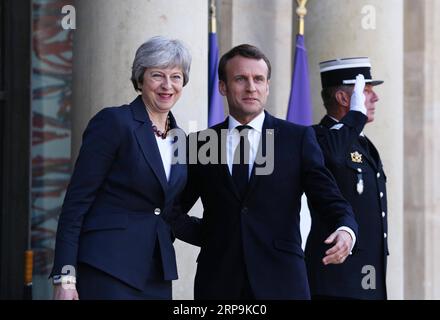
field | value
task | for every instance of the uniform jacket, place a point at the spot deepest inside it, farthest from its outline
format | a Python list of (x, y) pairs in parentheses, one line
[(359, 174)]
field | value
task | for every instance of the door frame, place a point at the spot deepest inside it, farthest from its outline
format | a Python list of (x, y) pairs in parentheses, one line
[(15, 143)]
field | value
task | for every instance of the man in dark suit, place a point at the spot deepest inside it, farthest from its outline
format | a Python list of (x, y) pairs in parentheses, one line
[(251, 241), (357, 168)]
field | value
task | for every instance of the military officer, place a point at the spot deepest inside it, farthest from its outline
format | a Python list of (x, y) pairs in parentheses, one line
[(355, 163)]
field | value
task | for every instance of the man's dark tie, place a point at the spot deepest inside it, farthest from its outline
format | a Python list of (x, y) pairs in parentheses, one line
[(240, 167)]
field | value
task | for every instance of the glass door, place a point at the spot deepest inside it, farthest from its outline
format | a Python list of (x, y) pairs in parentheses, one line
[(51, 133)]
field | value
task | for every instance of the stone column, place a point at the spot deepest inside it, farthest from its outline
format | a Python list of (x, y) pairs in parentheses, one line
[(267, 25), (107, 36), (374, 28), (422, 152)]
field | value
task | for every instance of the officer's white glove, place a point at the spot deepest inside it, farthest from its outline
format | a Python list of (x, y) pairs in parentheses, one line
[(357, 102)]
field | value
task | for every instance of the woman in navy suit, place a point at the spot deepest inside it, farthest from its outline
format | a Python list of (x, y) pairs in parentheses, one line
[(113, 239)]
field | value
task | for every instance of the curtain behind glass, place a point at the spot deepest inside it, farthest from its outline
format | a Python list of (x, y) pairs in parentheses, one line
[(51, 133)]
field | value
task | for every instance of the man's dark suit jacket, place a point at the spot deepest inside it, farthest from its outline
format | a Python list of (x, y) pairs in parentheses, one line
[(115, 210), (349, 161), (258, 237)]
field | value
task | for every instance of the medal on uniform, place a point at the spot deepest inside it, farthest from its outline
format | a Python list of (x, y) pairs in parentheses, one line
[(356, 157), (360, 184)]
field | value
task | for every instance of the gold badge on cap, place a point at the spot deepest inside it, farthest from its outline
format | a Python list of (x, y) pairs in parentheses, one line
[(356, 157)]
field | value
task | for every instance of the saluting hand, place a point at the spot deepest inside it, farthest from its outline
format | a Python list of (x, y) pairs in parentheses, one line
[(357, 101), (339, 252)]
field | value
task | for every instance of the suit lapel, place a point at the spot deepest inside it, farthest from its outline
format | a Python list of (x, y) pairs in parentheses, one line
[(269, 123), (147, 141), (222, 166), (177, 178), (177, 169)]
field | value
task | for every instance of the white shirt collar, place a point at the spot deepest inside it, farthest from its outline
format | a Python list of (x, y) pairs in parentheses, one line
[(256, 123), (333, 118)]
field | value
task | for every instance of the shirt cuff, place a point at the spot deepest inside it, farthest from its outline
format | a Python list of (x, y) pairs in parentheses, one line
[(353, 236), (360, 109)]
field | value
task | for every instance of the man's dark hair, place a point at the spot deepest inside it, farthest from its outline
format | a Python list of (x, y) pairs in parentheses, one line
[(328, 95), (243, 50)]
